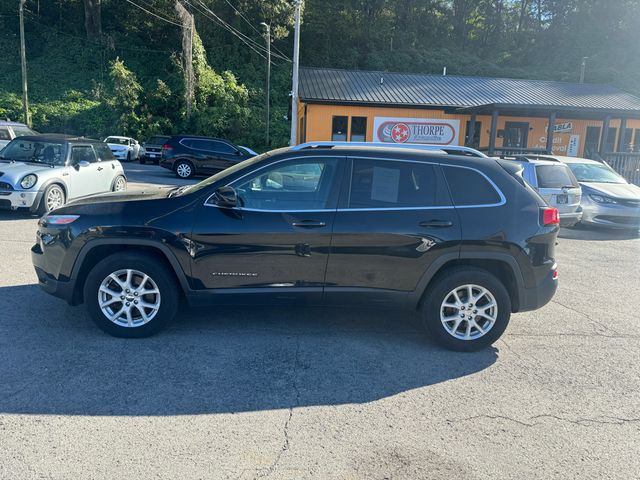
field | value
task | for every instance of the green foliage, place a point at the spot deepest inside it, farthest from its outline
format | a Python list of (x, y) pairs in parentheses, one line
[(130, 80)]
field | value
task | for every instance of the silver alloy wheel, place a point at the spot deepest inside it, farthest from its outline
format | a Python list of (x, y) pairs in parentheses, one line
[(55, 198), (129, 298), (184, 170), (468, 312), (121, 185)]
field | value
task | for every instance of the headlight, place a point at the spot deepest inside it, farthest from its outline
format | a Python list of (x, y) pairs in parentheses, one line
[(59, 219), (602, 199), (29, 181)]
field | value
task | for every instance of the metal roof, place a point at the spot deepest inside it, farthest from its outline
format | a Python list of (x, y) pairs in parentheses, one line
[(407, 89)]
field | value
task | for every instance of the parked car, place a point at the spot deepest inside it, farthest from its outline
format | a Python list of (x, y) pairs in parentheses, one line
[(151, 150), (43, 172), (125, 149), (608, 200), (188, 155), (554, 181), (463, 240), (10, 130)]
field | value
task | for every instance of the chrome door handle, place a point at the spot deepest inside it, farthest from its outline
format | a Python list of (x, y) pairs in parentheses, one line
[(436, 224), (309, 224)]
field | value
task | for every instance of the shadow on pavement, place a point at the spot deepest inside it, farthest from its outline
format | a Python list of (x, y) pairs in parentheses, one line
[(54, 361), (12, 215), (597, 234)]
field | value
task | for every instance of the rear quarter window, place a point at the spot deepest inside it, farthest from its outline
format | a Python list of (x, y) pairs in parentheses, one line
[(469, 187)]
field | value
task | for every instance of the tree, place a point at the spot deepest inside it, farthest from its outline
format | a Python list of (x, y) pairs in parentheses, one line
[(92, 19)]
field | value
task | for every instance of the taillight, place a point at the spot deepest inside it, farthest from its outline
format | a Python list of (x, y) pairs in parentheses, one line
[(550, 216), (167, 147)]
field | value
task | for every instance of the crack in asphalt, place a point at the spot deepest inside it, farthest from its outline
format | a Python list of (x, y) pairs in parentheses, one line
[(285, 430), (605, 420), (587, 316)]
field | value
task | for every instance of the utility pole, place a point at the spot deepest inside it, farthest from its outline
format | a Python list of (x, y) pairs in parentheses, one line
[(583, 67), (268, 104), (23, 59), (294, 91)]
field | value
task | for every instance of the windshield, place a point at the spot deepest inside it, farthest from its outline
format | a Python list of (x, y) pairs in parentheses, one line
[(157, 140), (23, 131), (119, 141), (34, 151), (591, 172), (225, 173), (555, 176)]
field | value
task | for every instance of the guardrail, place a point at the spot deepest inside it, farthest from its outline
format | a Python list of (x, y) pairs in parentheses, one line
[(626, 164)]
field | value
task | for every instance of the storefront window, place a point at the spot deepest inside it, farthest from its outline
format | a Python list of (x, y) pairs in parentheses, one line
[(358, 129), (339, 128)]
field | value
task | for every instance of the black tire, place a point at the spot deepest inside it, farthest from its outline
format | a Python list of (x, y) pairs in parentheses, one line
[(142, 161), (163, 278), (44, 207), (440, 290), (189, 170)]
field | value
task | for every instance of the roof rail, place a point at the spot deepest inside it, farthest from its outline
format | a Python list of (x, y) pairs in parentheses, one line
[(450, 149)]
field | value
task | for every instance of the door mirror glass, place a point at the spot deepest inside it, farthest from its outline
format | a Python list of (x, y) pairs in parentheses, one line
[(226, 197), (83, 163)]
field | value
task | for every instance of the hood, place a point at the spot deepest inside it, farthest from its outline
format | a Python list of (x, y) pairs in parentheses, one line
[(615, 190), (151, 193), (14, 172)]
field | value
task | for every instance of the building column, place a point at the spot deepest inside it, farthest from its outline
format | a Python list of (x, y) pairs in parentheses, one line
[(621, 136), (472, 130), (550, 129), (493, 133), (604, 136)]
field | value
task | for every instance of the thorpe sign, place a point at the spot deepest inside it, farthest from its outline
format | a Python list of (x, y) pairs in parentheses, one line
[(434, 131)]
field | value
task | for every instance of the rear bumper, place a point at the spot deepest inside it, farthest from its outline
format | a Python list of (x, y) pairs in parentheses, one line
[(570, 219), (540, 295)]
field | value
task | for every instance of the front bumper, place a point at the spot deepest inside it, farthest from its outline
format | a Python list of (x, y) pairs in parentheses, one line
[(18, 199), (611, 216), (46, 281)]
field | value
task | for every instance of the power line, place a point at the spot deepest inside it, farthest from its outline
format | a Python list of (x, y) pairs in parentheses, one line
[(255, 46), (253, 26), (154, 14)]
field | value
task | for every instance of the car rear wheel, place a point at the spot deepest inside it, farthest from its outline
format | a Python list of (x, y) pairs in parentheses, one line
[(131, 295), (184, 169), (466, 309)]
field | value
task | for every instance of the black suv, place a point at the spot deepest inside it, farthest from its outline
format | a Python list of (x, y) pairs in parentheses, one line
[(187, 155), (463, 240)]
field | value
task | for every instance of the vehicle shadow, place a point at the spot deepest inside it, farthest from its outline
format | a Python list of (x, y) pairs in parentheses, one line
[(12, 215), (597, 234), (54, 361)]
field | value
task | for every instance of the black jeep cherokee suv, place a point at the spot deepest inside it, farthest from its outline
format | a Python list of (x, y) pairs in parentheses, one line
[(188, 155), (463, 240)]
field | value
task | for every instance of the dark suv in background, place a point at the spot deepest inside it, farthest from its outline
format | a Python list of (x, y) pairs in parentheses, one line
[(189, 155), (463, 240)]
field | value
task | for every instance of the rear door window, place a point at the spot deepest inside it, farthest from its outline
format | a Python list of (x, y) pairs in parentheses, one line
[(555, 176), (469, 187), (395, 184), (220, 147)]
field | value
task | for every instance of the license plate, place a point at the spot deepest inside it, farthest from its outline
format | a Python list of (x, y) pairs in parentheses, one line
[(562, 199), (153, 155)]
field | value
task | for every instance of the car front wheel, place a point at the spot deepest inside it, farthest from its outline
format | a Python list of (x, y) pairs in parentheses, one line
[(52, 198), (131, 295), (467, 309)]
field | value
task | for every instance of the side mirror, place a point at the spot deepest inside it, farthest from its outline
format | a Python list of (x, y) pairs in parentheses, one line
[(82, 163), (226, 197)]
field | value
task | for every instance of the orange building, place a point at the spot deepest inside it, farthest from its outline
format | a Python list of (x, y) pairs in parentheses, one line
[(496, 115)]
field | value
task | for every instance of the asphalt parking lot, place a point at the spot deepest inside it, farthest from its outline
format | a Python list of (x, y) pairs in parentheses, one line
[(323, 393)]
